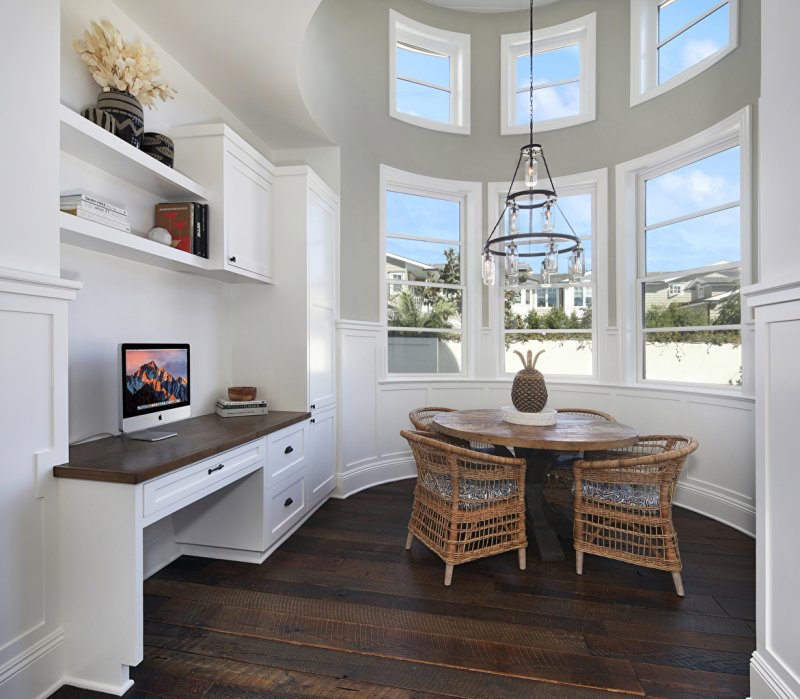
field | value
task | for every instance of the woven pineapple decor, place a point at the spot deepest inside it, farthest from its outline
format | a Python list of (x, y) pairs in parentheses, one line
[(528, 392)]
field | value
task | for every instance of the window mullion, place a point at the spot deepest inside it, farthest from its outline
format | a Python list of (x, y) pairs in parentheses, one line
[(693, 215), (691, 24), (555, 83)]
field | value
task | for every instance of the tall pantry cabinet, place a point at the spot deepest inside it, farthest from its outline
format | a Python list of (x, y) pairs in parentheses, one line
[(290, 327)]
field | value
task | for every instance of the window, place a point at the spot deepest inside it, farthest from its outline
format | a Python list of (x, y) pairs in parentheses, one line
[(563, 77), (559, 318), (424, 256), (674, 40), (428, 75), (690, 230)]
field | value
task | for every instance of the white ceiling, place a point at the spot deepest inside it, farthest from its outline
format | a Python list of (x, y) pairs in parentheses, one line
[(245, 53), (489, 5)]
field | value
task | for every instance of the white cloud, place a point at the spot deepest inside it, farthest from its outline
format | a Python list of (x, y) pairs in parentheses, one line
[(695, 50)]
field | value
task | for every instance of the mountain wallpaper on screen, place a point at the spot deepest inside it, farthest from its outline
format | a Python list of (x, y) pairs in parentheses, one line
[(151, 384)]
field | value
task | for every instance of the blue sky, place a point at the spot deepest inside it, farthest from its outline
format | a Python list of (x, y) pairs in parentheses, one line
[(693, 45)]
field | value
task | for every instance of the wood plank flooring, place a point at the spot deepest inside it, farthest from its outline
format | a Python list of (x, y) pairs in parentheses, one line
[(342, 610)]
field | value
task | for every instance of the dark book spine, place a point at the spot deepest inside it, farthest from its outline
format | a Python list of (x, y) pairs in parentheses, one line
[(205, 231), (197, 247)]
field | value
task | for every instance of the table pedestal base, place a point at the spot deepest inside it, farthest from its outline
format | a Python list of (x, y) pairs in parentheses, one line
[(543, 538)]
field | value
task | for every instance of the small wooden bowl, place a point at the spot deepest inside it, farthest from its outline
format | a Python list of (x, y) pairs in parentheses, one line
[(242, 393)]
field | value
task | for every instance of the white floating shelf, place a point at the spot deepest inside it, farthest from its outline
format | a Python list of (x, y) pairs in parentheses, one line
[(93, 144), (89, 235)]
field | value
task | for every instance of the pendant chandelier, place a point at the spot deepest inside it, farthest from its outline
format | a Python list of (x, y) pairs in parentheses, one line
[(508, 241)]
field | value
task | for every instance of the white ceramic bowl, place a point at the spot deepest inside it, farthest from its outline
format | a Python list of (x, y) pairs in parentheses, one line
[(546, 416)]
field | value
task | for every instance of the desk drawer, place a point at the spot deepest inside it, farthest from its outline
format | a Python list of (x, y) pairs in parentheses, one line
[(286, 451), (286, 507), (199, 479)]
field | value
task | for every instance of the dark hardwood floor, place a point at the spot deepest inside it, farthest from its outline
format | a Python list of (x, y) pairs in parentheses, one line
[(342, 610)]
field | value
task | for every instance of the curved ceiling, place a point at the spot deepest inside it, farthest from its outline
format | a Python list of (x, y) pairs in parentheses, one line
[(245, 52), (489, 5)]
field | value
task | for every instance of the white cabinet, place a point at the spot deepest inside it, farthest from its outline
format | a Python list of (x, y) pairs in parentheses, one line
[(321, 461), (239, 183)]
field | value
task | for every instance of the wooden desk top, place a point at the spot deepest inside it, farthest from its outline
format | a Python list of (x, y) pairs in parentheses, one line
[(570, 433), (122, 460)]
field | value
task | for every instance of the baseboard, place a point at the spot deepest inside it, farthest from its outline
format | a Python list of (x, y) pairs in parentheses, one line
[(765, 683), (710, 503), (37, 671), (372, 474), (112, 689)]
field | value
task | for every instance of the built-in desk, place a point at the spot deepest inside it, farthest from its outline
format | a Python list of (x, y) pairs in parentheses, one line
[(234, 488)]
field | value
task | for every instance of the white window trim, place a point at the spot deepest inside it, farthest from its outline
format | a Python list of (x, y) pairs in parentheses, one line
[(581, 31), (453, 44), (733, 131), (594, 182), (644, 52), (470, 194)]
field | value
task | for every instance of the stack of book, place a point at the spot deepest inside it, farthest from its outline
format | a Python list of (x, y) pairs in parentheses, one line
[(95, 209), (240, 408), (187, 223)]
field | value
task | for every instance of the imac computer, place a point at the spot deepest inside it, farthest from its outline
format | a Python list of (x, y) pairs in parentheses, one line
[(154, 388)]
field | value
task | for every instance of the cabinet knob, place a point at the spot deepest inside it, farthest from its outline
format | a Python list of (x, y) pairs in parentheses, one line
[(313, 421), (288, 502), (216, 468), (288, 450), (313, 406), (232, 258)]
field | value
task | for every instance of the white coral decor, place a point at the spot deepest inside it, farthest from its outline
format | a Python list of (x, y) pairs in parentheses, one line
[(116, 64)]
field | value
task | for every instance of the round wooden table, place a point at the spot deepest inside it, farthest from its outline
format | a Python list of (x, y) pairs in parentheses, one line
[(570, 433)]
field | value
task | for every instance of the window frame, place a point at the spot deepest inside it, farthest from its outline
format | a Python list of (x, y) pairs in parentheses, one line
[(469, 195), (595, 183), (645, 45), (630, 183), (581, 31), (455, 45)]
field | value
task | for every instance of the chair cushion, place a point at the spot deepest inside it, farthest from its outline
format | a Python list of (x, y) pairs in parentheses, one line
[(472, 494), (623, 493)]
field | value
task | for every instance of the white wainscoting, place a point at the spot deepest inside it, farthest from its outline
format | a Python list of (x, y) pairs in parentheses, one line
[(775, 666), (718, 479), (33, 354)]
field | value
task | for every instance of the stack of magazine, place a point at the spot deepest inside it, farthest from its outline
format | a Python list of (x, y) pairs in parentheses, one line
[(239, 408), (95, 209)]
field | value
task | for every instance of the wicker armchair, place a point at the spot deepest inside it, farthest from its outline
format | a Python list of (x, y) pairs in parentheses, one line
[(623, 503), (421, 418), (467, 505), (558, 486)]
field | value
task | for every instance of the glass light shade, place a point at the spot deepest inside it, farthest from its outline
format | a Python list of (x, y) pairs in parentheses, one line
[(531, 170), (512, 264), (488, 268), (545, 275), (551, 258), (547, 219), (513, 219), (577, 265)]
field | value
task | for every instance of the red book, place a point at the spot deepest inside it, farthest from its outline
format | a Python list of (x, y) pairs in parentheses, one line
[(178, 219)]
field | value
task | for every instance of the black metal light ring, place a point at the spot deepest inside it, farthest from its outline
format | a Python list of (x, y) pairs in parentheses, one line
[(536, 146), (539, 239), (549, 197)]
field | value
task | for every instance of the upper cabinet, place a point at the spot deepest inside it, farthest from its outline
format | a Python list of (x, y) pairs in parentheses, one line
[(239, 180), (216, 167)]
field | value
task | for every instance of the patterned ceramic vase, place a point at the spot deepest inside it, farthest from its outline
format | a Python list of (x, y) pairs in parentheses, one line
[(127, 112), (159, 146), (100, 117)]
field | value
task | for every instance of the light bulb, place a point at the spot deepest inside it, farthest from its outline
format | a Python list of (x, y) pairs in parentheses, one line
[(513, 223), (531, 170), (488, 268), (577, 265)]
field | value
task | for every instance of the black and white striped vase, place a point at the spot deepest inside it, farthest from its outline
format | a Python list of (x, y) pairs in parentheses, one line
[(127, 112)]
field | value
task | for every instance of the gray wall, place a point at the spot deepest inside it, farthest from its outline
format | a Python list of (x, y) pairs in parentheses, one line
[(344, 80)]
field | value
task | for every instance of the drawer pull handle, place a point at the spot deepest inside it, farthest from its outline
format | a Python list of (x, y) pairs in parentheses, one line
[(216, 468), (313, 406), (288, 502), (313, 420), (288, 450), (232, 258)]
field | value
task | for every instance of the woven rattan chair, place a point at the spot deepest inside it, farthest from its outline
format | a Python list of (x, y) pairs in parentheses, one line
[(623, 503), (467, 504), (421, 418), (558, 485)]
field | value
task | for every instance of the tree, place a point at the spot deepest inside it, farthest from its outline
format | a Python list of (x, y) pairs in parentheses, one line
[(406, 312), (450, 273), (729, 312)]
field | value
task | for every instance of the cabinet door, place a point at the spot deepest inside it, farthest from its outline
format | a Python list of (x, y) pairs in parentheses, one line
[(248, 207), (321, 374), (321, 465), (321, 251)]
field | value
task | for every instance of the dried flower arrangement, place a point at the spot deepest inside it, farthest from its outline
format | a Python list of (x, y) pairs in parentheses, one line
[(116, 64)]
